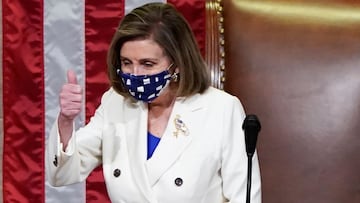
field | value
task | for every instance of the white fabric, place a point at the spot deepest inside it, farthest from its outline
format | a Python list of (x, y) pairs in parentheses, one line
[(210, 157), (63, 50)]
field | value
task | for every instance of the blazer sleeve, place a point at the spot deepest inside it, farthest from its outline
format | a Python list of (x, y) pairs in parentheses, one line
[(83, 153), (234, 158)]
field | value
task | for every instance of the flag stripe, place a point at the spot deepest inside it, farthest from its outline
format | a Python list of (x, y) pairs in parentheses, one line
[(195, 13), (1, 106), (23, 93), (101, 20), (63, 50)]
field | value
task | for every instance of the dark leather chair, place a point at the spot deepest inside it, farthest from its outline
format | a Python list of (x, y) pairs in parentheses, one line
[(295, 64)]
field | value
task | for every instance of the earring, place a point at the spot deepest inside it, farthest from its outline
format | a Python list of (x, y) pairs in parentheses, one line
[(175, 77)]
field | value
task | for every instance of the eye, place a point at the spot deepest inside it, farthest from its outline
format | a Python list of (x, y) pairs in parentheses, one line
[(125, 62), (148, 65)]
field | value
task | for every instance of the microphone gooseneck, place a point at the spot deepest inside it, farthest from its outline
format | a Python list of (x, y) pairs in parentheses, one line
[(251, 127)]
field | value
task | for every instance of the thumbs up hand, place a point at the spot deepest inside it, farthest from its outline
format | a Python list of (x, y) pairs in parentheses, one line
[(70, 98)]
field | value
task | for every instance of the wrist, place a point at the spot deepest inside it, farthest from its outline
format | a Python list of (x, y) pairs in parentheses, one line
[(64, 120)]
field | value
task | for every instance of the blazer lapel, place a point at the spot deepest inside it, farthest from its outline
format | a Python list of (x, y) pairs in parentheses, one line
[(178, 135), (136, 138)]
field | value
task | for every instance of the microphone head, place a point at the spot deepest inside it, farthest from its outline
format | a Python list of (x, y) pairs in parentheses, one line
[(251, 121), (251, 127)]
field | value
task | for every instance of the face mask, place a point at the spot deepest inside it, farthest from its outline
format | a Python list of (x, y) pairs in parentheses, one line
[(145, 87)]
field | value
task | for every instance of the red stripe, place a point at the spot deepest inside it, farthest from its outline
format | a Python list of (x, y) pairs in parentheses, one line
[(101, 20), (195, 13), (23, 101)]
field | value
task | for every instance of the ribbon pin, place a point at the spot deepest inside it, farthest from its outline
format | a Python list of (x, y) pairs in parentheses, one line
[(180, 127)]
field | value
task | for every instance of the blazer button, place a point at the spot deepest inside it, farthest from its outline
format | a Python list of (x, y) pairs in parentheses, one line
[(178, 182), (117, 172), (55, 162)]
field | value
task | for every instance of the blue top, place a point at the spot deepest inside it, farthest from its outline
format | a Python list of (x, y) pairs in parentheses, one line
[(152, 143)]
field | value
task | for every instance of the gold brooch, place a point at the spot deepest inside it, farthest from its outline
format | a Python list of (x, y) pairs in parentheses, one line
[(180, 127)]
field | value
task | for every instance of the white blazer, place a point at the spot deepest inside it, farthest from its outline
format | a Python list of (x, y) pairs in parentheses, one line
[(205, 162)]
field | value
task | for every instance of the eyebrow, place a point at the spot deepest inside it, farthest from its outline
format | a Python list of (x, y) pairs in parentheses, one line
[(141, 60)]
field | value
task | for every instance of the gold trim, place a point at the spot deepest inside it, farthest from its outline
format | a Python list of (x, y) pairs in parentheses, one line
[(215, 42), (338, 14)]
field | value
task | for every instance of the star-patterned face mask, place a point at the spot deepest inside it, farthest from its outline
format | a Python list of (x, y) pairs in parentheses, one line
[(145, 87)]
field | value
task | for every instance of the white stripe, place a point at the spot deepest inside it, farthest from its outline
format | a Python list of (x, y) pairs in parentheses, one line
[(63, 50), (131, 4)]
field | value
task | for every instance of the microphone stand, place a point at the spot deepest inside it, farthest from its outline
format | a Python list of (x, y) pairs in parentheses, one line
[(251, 127), (249, 174)]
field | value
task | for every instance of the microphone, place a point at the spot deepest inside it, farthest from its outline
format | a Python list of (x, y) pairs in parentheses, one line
[(251, 127)]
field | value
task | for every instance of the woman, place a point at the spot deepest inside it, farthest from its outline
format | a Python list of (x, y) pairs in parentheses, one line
[(161, 133)]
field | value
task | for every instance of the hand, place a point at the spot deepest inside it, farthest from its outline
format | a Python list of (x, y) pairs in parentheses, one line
[(70, 98)]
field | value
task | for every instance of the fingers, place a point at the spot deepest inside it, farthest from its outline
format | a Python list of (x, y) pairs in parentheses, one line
[(71, 77), (70, 97)]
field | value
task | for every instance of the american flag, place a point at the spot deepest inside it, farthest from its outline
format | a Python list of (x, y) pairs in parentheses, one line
[(41, 40)]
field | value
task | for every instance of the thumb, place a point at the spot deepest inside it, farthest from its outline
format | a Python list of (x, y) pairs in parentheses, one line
[(71, 77)]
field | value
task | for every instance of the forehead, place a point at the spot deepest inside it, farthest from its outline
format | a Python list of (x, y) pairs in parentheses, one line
[(141, 48)]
